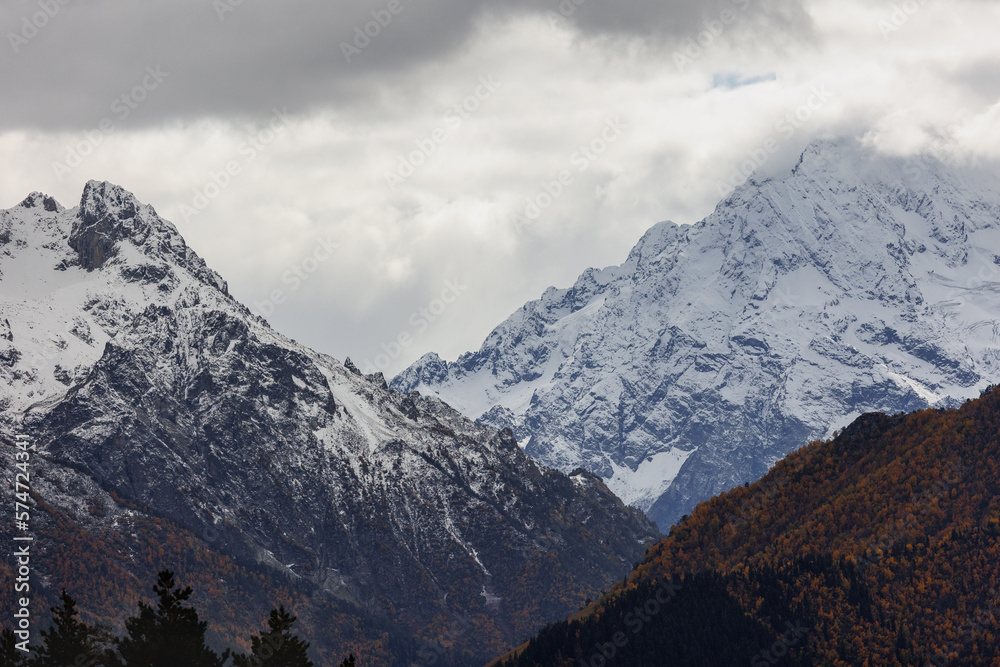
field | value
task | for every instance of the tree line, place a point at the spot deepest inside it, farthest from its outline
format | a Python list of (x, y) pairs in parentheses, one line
[(169, 634)]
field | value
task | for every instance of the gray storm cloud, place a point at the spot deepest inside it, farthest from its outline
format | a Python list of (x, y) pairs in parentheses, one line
[(71, 60)]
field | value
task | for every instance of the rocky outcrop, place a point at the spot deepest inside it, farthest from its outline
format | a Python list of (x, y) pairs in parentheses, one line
[(109, 215)]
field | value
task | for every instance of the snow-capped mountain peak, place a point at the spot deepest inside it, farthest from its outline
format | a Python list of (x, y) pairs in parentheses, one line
[(855, 282), (126, 361), (109, 216), (73, 278), (42, 201)]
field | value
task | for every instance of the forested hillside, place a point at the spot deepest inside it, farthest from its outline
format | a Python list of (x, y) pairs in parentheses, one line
[(879, 547)]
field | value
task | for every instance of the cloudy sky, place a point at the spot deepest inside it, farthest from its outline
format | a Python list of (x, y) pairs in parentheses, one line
[(481, 150)]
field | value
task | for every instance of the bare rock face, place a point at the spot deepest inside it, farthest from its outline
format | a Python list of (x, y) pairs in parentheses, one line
[(855, 283), (40, 200), (107, 215)]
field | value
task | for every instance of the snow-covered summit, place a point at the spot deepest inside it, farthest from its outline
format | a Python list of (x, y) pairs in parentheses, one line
[(109, 216), (855, 282), (131, 367), (72, 278), (42, 201)]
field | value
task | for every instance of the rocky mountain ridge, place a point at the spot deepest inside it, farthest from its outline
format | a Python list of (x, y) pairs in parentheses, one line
[(131, 367)]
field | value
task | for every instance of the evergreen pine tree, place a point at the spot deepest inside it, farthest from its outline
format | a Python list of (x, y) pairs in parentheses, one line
[(169, 635), (69, 641), (277, 647), (349, 662), (9, 655)]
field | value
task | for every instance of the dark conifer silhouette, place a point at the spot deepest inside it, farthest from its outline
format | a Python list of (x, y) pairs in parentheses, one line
[(167, 635), (277, 647), (9, 655), (70, 641), (170, 634)]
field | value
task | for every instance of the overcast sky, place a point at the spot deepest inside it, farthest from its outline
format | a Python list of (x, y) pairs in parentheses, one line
[(403, 142)]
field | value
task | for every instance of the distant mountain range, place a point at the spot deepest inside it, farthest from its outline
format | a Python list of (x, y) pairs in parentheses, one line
[(856, 282), (174, 429), (880, 547)]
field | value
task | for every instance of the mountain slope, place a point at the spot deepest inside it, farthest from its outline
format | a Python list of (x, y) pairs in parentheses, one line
[(879, 547), (129, 365), (855, 283)]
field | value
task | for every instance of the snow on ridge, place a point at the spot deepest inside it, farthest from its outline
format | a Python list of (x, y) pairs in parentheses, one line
[(642, 486), (906, 382)]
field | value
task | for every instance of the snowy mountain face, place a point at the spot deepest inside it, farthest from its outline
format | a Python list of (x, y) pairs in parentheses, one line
[(58, 312), (855, 283), (127, 361)]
